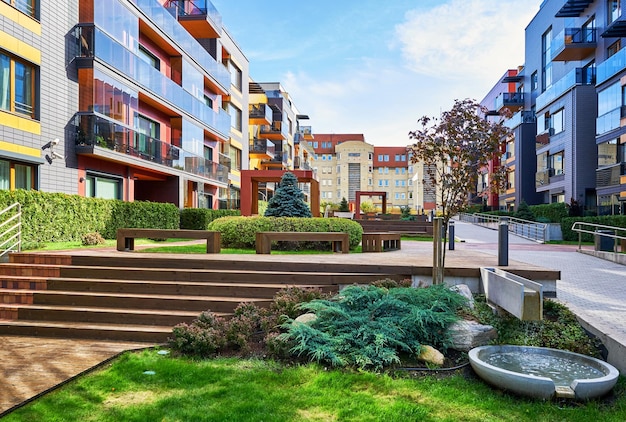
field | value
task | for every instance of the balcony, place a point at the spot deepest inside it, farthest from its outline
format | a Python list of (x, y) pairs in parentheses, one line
[(523, 116), (511, 100), (573, 8), (126, 144), (260, 114), (199, 17), (577, 76), (616, 29), (307, 132), (542, 178), (611, 66), (277, 131), (300, 163), (261, 148), (610, 176), (573, 44), (93, 43), (609, 121), (167, 23)]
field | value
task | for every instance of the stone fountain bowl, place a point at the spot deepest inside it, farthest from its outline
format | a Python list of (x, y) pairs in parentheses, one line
[(600, 380)]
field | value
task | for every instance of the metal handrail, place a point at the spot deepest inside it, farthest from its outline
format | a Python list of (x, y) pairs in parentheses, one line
[(527, 229), (578, 226), (11, 229)]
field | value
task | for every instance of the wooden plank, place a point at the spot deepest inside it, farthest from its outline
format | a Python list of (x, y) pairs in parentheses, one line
[(380, 241)]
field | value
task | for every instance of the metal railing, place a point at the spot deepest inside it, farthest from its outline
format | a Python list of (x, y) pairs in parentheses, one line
[(531, 230), (599, 230), (11, 229)]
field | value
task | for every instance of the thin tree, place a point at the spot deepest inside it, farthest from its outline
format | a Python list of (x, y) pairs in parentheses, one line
[(454, 148), (288, 200)]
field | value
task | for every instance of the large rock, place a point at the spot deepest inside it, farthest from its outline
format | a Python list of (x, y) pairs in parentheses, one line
[(466, 335), (464, 290), (429, 354), (306, 318)]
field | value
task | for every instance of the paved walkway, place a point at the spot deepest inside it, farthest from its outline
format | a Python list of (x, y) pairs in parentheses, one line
[(593, 288)]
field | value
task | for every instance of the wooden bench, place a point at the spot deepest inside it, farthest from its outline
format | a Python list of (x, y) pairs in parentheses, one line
[(398, 226), (126, 237), (341, 240), (380, 241)]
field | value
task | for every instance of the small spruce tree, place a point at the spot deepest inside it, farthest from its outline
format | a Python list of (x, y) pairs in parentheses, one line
[(343, 206), (524, 212), (288, 200)]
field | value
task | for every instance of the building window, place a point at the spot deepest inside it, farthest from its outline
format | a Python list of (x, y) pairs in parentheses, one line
[(380, 158), (397, 195), (25, 6), (380, 183), (558, 123), (103, 187), (380, 170), (397, 170), (338, 181), (534, 81), (613, 48), (386, 157), (369, 155), (236, 78), (614, 11), (17, 77), (148, 57), (546, 57), (369, 182), (235, 117), (235, 158), (315, 144), (556, 164), (23, 175), (386, 170)]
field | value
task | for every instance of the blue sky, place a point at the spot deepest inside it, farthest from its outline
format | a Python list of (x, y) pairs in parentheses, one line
[(375, 67)]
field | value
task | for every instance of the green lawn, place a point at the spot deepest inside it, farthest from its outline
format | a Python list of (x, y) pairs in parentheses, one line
[(181, 389)]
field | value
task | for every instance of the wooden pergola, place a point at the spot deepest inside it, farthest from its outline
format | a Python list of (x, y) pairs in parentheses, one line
[(250, 180), (359, 193)]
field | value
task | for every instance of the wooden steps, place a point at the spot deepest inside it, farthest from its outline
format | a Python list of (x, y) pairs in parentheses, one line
[(139, 298)]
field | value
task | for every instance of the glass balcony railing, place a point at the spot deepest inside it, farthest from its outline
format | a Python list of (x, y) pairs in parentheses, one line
[(195, 8), (573, 37), (608, 121), (262, 146), (508, 99), (260, 111), (168, 24), (91, 42), (93, 130), (577, 76), (276, 128), (611, 66), (523, 116)]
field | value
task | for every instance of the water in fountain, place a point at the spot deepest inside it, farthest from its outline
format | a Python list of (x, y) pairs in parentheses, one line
[(561, 370)]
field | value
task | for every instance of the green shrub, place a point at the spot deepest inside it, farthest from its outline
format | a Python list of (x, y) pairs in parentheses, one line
[(240, 232), (523, 212), (203, 337), (343, 206), (200, 218), (92, 239), (368, 326), (554, 212), (607, 220)]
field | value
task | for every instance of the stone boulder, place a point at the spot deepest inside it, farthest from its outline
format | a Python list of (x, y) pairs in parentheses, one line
[(306, 318), (429, 354), (465, 335), (464, 291)]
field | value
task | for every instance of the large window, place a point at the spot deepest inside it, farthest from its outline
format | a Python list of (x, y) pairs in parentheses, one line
[(558, 122), (23, 175), (557, 164), (546, 57), (235, 117), (614, 10), (611, 152), (235, 75), (103, 187), (17, 77)]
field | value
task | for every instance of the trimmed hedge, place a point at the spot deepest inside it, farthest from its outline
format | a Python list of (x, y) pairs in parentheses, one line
[(200, 218), (240, 232), (60, 217), (554, 212), (607, 220)]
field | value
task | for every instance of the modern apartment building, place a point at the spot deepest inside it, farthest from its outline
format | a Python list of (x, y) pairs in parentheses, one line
[(518, 150), (145, 97), (345, 164)]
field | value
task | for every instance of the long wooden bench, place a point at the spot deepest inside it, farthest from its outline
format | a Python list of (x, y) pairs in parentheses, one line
[(340, 240), (380, 241), (399, 226), (126, 237)]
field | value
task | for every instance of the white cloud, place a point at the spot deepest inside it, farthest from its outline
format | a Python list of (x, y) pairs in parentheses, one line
[(466, 39), (455, 50)]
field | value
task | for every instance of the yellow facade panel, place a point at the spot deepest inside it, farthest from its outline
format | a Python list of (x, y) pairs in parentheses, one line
[(19, 149), (21, 19), (21, 123), (19, 48)]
